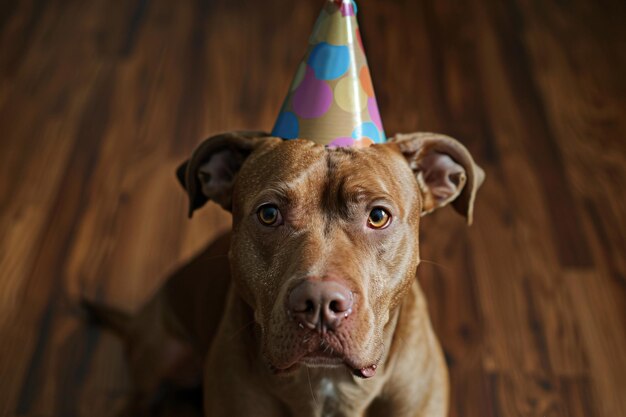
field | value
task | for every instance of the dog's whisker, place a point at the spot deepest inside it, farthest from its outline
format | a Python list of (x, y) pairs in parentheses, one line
[(435, 264), (308, 375), (238, 332)]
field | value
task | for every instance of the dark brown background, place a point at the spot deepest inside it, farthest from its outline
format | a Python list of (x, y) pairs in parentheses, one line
[(99, 101)]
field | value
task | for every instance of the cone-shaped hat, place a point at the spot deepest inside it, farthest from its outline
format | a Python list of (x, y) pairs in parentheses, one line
[(331, 100)]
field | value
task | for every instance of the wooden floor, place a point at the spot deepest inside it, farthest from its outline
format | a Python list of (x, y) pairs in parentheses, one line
[(100, 100)]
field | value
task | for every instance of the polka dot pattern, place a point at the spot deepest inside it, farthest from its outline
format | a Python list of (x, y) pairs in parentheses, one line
[(350, 142), (366, 81), (359, 40), (363, 143), (286, 126), (345, 95), (368, 130), (329, 61), (347, 7), (372, 108), (342, 142), (331, 99), (313, 97)]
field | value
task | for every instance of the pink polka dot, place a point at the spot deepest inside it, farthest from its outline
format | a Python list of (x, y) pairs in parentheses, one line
[(347, 8), (313, 97), (346, 142), (372, 107), (341, 142)]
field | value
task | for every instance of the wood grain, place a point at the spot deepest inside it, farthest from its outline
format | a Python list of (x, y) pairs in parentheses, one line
[(100, 100)]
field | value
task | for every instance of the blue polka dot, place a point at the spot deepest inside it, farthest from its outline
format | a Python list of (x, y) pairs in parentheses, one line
[(368, 130), (356, 9), (287, 126), (329, 61)]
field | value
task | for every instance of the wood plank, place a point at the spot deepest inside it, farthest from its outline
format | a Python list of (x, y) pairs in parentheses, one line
[(544, 154), (521, 394), (586, 109), (552, 327), (599, 310)]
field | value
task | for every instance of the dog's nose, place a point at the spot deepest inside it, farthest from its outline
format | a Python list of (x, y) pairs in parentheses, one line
[(321, 305)]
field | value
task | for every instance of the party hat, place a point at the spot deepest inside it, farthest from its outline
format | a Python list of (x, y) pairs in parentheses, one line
[(331, 100)]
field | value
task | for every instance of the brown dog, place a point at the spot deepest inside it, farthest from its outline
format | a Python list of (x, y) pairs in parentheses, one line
[(324, 316)]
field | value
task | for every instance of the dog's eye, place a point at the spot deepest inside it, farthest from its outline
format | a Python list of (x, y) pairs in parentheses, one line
[(268, 215), (379, 218)]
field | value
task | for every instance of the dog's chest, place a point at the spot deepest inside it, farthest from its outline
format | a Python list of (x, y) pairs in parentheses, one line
[(337, 397), (329, 398), (322, 392)]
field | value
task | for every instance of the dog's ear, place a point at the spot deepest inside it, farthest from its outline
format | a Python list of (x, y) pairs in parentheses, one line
[(444, 169), (210, 172)]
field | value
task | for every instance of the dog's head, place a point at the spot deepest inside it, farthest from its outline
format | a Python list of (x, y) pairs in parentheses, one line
[(325, 241)]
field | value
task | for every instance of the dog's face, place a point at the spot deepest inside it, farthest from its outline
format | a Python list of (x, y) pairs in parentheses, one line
[(334, 227)]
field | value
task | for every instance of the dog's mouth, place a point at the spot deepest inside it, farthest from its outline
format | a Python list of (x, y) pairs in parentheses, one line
[(322, 357), (311, 348), (325, 357)]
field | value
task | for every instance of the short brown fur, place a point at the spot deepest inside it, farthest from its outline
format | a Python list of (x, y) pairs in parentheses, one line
[(257, 357)]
